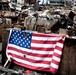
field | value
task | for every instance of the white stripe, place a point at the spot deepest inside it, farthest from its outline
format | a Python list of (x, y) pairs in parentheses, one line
[(31, 51), (45, 38), (14, 52), (54, 65), (60, 44), (58, 52), (43, 45), (56, 58), (38, 58), (29, 56), (32, 64)]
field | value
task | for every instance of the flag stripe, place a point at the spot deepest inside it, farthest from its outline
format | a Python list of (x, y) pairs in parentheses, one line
[(55, 62), (58, 48), (43, 49), (53, 70), (54, 65), (45, 35), (58, 51), (43, 45), (41, 41), (56, 58), (59, 44), (44, 38), (57, 55)]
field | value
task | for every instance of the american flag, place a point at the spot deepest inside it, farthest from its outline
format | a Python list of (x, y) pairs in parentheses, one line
[(37, 51)]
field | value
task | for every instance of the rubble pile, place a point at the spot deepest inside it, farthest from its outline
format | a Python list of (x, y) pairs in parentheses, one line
[(49, 19)]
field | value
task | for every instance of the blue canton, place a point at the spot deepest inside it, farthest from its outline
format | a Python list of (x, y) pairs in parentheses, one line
[(21, 38)]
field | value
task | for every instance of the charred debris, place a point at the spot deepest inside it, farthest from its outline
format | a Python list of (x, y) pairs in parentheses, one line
[(53, 18)]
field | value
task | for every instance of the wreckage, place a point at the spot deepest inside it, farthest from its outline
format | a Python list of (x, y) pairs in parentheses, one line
[(45, 21)]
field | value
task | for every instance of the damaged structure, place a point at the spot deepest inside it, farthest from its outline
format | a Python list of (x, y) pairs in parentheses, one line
[(52, 19)]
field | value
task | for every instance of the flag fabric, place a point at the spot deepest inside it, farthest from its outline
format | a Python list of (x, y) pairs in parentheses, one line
[(37, 51)]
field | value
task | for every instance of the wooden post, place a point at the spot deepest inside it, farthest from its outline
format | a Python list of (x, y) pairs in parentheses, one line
[(6, 63)]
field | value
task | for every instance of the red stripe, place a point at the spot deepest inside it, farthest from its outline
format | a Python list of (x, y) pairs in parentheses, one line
[(53, 70), (28, 59), (61, 41), (57, 55), (42, 49), (58, 48), (28, 53), (45, 35), (33, 67), (44, 42), (55, 62)]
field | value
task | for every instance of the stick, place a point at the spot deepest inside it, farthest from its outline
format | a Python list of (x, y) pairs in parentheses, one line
[(6, 63)]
